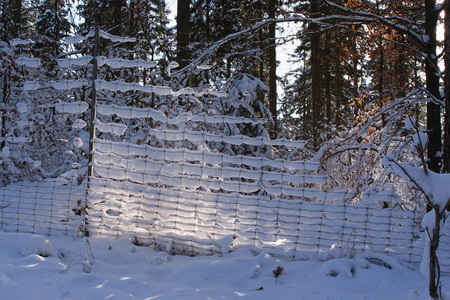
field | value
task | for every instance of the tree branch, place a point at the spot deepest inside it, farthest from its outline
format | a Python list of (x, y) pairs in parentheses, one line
[(427, 199)]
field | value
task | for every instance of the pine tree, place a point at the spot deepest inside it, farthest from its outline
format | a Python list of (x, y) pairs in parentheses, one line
[(317, 91), (11, 19), (349, 71), (253, 54), (51, 26)]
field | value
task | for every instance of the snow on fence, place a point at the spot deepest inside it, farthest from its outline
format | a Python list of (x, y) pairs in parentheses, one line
[(192, 201), (188, 200), (47, 207)]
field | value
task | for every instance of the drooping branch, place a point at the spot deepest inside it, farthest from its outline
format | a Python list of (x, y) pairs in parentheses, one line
[(410, 177), (322, 23), (389, 21)]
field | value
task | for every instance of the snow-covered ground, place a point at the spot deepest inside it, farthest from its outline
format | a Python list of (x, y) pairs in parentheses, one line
[(41, 267)]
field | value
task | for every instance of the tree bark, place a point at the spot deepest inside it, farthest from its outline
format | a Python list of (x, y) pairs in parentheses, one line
[(183, 21), (434, 284), (272, 57), (447, 87), (432, 82), (118, 16), (17, 14), (316, 91)]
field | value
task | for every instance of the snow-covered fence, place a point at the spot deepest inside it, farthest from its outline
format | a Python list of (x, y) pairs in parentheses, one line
[(444, 249), (47, 207), (196, 201), (176, 194)]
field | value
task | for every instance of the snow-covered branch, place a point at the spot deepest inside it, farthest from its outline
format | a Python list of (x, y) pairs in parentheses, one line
[(371, 17), (434, 186)]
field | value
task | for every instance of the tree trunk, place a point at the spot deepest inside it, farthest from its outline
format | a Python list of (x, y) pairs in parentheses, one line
[(17, 15), (2, 113), (340, 102), (381, 75), (316, 91), (272, 57), (434, 285), (327, 80), (432, 82), (183, 21), (447, 87), (118, 16)]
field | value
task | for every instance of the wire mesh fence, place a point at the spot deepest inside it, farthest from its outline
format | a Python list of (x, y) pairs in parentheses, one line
[(193, 184), (194, 201), (48, 207), (189, 200)]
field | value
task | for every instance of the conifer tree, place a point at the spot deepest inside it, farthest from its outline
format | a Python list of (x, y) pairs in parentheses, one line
[(52, 26)]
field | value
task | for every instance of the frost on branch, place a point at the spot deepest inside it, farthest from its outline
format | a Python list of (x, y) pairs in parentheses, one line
[(437, 195), (435, 186)]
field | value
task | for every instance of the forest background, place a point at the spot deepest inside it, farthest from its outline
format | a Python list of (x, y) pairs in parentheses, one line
[(364, 79)]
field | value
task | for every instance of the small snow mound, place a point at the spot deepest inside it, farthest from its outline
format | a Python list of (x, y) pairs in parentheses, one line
[(39, 245), (5, 280), (27, 244), (32, 259), (225, 244), (254, 271), (340, 266), (413, 295)]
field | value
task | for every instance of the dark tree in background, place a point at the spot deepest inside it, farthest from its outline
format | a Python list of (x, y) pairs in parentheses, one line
[(316, 91), (346, 69), (447, 87), (432, 85), (52, 26), (11, 19), (183, 32), (272, 65)]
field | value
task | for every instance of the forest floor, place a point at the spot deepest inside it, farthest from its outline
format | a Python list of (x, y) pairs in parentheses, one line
[(41, 267)]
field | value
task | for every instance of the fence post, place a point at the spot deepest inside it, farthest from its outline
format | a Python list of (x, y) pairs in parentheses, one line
[(93, 106), (92, 125)]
